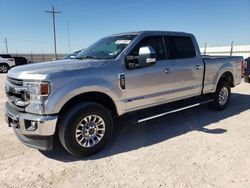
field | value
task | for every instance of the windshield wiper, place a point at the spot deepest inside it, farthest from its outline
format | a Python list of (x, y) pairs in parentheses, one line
[(89, 57)]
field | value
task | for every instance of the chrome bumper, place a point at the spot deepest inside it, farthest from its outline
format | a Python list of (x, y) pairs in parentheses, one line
[(30, 124)]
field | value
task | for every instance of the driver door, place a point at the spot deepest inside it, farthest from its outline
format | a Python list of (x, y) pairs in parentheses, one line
[(152, 85)]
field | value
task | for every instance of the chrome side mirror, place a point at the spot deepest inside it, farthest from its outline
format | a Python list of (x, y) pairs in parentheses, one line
[(147, 56)]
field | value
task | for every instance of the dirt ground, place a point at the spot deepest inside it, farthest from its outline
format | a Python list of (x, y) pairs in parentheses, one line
[(194, 148)]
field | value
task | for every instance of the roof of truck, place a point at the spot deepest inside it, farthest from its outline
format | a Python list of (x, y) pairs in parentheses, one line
[(153, 32)]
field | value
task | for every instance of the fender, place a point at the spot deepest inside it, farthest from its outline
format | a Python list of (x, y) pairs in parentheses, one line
[(223, 69), (76, 87)]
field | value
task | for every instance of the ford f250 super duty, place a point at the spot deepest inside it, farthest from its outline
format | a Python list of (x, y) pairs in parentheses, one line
[(77, 99)]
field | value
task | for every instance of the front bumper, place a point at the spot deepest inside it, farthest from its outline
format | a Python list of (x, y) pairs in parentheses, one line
[(33, 130)]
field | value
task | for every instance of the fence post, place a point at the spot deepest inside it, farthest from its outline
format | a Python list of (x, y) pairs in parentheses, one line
[(231, 50), (205, 49)]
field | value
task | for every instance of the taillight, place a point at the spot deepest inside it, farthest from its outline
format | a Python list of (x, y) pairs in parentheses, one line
[(242, 68)]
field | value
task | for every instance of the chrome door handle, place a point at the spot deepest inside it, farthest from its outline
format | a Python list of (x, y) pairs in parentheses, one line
[(198, 67), (167, 70)]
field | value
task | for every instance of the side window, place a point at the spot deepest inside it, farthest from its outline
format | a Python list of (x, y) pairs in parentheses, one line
[(180, 47), (155, 42)]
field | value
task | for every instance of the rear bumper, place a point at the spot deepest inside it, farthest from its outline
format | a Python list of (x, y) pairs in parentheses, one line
[(33, 130)]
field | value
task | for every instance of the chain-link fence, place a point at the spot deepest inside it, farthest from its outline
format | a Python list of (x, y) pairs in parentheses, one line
[(233, 50), (35, 58)]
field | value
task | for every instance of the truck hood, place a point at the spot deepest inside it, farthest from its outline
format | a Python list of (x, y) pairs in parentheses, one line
[(40, 71)]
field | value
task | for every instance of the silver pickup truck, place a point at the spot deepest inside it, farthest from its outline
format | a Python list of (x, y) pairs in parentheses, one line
[(129, 73)]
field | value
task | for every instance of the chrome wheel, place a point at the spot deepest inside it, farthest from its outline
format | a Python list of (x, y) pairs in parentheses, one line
[(90, 131), (3, 68), (223, 96)]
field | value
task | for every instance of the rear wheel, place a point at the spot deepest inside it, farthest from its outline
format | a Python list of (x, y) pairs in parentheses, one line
[(4, 68), (221, 96), (85, 129)]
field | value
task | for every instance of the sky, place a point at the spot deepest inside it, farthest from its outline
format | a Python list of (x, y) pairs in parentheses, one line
[(28, 29)]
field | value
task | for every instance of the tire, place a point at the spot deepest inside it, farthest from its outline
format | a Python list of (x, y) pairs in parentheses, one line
[(221, 96), (4, 68), (85, 129)]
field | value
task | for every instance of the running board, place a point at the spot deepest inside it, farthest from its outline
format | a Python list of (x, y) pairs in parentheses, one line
[(173, 111)]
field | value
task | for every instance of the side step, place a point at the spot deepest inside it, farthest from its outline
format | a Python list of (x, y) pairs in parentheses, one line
[(172, 111), (156, 112)]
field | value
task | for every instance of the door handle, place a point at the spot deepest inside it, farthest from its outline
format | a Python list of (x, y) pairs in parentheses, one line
[(167, 70), (197, 67)]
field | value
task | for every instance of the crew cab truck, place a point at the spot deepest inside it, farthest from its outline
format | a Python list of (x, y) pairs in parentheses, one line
[(119, 74)]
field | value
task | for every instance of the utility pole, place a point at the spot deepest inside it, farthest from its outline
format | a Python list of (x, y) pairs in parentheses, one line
[(68, 37), (6, 45), (205, 49), (231, 50), (53, 12)]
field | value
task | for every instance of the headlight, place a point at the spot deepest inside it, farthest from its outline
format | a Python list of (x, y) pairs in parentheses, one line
[(37, 88)]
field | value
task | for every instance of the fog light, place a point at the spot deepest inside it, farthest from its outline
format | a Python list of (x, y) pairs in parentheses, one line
[(31, 125)]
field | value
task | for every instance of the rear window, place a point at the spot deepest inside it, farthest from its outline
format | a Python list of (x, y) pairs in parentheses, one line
[(180, 47)]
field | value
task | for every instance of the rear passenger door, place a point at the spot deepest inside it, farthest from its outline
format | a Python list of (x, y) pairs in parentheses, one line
[(188, 67)]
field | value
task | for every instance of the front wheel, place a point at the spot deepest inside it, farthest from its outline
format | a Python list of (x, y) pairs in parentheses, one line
[(4, 68), (85, 129), (221, 96)]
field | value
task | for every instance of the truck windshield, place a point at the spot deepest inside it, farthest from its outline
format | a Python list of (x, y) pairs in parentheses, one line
[(106, 48)]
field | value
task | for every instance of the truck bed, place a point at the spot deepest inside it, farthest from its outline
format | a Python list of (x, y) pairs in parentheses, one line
[(213, 70)]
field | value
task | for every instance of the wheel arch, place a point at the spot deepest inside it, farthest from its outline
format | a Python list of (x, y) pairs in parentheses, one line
[(4, 63), (98, 97), (228, 77)]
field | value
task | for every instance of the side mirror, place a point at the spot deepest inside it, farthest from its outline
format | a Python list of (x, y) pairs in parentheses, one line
[(147, 56)]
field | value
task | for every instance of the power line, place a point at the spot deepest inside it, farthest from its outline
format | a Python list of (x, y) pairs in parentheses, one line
[(53, 12), (6, 45)]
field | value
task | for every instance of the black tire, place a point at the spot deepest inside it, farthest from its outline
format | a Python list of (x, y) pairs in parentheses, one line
[(220, 104), (4, 68), (71, 121)]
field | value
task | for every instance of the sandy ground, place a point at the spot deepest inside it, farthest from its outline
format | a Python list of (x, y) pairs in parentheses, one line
[(194, 148)]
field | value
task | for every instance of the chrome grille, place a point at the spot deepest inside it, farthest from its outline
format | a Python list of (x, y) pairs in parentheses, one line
[(15, 81), (16, 93)]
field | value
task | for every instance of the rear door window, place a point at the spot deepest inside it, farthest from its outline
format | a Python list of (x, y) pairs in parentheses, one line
[(180, 47)]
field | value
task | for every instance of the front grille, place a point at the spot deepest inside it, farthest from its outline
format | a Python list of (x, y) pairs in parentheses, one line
[(15, 81), (17, 94)]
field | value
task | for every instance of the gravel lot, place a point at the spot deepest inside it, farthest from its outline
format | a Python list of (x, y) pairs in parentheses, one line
[(194, 148)]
